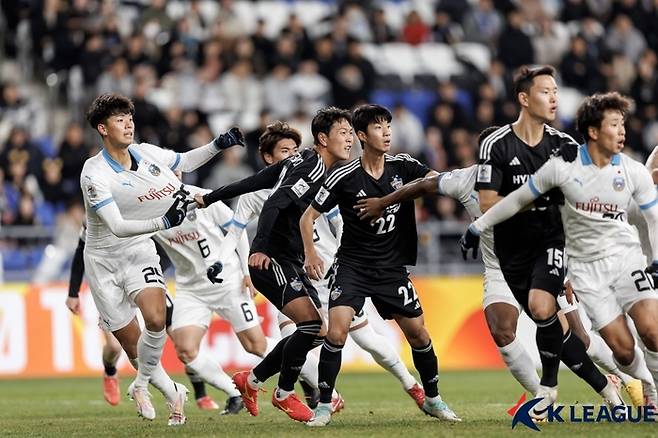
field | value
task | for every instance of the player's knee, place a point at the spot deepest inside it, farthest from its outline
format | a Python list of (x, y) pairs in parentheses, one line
[(502, 335), (337, 335), (186, 353), (417, 336), (155, 323), (623, 354), (650, 338), (542, 310)]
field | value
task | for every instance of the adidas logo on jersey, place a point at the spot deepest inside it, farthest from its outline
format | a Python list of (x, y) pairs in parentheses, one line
[(361, 194), (515, 162), (555, 272)]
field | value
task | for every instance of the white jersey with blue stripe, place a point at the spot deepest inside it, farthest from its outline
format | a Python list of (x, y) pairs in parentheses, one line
[(192, 245), (459, 184), (597, 202), (145, 193)]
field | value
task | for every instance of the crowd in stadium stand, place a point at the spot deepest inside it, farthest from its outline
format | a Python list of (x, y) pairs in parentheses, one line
[(194, 68)]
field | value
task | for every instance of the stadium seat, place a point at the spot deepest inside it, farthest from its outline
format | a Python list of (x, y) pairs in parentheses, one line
[(477, 54), (439, 60), (387, 98), (401, 59), (419, 102)]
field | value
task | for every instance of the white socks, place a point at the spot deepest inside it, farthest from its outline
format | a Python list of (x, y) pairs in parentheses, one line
[(149, 350), (638, 368), (159, 379), (383, 353), (213, 374), (601, 355), (520, 364), (652, 363)]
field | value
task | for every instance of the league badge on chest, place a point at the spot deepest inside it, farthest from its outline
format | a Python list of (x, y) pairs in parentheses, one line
[(396, 182), (618, 183), (155, 170)]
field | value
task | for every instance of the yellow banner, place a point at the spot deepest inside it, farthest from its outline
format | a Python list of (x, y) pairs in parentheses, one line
[(39, 337)]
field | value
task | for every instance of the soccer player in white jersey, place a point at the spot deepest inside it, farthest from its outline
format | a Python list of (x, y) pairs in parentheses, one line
[(130, 191), (606, 266), (459, 184), (189, 247)]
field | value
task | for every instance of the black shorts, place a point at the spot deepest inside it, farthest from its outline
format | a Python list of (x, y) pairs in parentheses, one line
[(390, 289), (542, 269), (283, 282)]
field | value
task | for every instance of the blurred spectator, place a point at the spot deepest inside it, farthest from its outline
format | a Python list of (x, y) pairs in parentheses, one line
[(278, 92), (230, 169), (444, 30), (514, 45), (645, 87), (51, 183), (251, 139), (243, 93), (19, 147), (415, 31), (381, 31), (408, 135), (354, 79), (312, 91), (17, 110), (578, 67), (551, 42), (72, 154), (116, 78), (624, 38), (483, 23)]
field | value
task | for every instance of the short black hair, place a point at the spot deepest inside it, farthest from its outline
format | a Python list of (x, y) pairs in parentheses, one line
[(486, 132), (590, 113), (369, 113), (108, 105), (274, 133), (525, 76), (325, 119)]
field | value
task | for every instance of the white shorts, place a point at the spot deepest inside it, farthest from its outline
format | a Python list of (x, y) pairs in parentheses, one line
[(323, 293), (609, 287), (496, 290), (229, 301), (114, 282)]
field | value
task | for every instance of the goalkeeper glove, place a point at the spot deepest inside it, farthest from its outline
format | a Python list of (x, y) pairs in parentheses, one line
[(470, 240), (213, 272), (233, 137)]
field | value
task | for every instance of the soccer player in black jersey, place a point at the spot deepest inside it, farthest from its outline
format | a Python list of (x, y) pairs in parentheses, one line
[(371, 259), (276, 262), (530, 245)]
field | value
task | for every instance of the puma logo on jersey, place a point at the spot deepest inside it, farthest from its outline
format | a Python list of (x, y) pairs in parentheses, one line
[(515, 162), (127, 183)]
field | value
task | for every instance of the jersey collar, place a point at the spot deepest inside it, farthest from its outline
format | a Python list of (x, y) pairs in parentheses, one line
[(586, 159), (116, 166)]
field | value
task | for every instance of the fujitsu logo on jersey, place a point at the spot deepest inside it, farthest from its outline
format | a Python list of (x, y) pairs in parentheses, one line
[(181, 237), (154, 194), (594, 206)]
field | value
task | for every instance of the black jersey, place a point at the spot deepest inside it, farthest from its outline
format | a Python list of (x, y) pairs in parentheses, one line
[(392, 240), (278, 232), (506, 163)]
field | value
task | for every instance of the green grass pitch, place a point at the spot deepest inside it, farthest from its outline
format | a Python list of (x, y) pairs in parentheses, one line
[(375, 406)]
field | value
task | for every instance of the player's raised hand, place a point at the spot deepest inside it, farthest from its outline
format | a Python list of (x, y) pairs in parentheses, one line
[(569, 293), (259, 260), (233, 137), (371, 208), (314, 266), (178, 210), (73, 304), (213, 272), (652, 270), (470, 240)]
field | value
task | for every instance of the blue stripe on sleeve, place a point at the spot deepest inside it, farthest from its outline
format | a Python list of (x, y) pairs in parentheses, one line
[(173, 167), (103, 203), (333, 213), (649, 204), (238, 224), (533, 188)]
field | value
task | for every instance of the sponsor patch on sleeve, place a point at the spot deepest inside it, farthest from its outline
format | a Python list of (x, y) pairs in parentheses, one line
[(300, 187), (321, 196), (484, 173)]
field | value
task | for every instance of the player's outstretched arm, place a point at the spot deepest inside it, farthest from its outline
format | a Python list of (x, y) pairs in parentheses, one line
[(197, 157), (312, 261), (506, 208), (373, 208), (652, 164), (265, 179)]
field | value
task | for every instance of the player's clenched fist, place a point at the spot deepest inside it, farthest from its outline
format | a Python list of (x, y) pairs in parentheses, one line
[(178, 210), (470, 240), (213, 272)]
